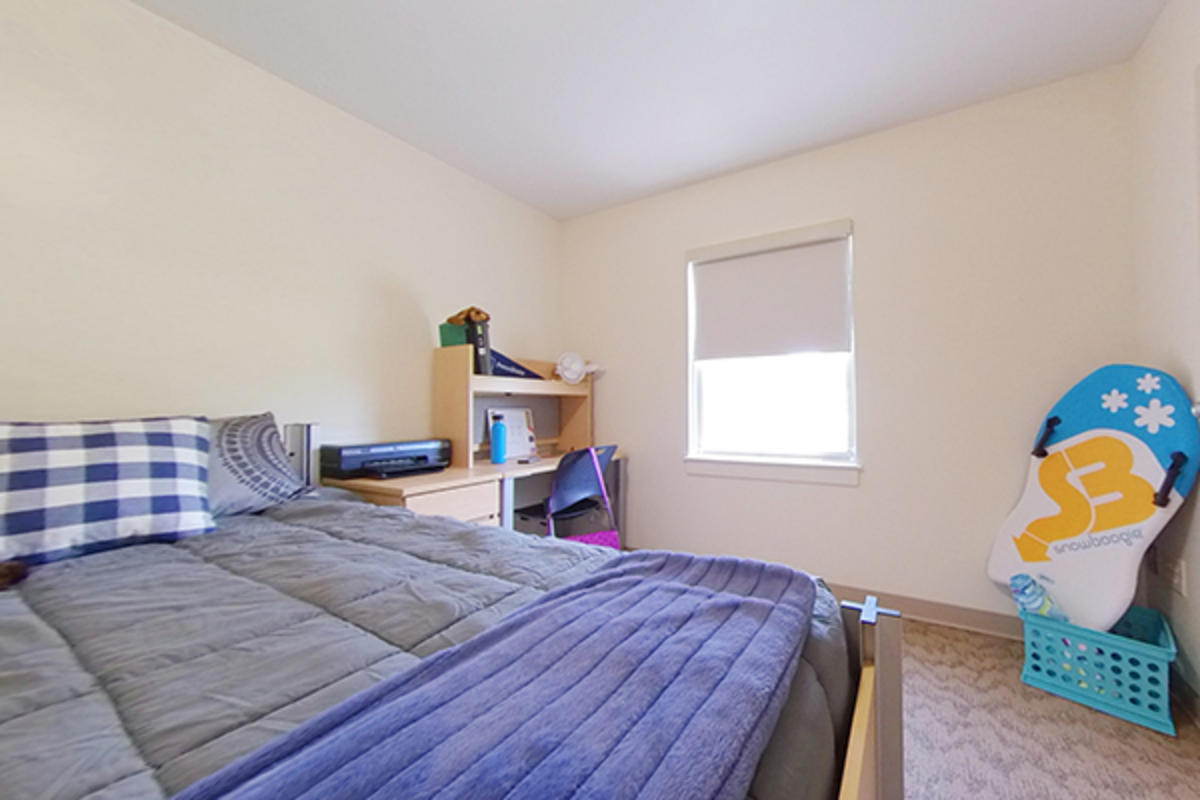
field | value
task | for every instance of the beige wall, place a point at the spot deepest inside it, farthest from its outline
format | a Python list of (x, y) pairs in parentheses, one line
[(182, 232), (1166, 90), (992, 270)]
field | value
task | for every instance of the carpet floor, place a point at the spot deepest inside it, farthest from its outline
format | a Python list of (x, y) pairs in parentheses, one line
[(973, 731)]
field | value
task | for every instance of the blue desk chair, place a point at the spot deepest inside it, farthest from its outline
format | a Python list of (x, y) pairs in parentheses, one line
[(578, 488)]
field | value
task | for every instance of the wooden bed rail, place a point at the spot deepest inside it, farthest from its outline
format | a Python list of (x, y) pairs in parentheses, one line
[(874, 766)]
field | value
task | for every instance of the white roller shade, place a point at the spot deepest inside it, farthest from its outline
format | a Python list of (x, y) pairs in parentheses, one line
[(791, 299)]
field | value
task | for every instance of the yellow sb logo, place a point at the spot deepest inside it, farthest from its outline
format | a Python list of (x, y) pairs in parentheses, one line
[(1103, 466)]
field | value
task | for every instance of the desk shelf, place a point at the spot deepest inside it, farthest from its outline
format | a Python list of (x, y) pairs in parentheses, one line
[(494, 385), (456, 387)]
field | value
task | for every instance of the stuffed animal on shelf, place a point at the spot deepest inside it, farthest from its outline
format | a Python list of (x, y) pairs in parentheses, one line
[(469, 314)]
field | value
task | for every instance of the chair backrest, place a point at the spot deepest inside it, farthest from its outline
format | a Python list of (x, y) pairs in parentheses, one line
[(576, 478)]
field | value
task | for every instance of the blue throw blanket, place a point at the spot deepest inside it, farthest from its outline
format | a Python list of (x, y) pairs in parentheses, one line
[(661, 675)]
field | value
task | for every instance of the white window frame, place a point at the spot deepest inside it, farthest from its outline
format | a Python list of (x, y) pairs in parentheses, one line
[(835, 471)]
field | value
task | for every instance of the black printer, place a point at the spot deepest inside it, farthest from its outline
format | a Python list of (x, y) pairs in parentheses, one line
[(386, 460)]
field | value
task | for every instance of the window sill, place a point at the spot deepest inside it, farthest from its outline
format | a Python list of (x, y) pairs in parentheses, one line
[(834, 473)]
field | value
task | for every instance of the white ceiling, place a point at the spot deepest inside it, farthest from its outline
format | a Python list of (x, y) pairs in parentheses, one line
[(574, 105)]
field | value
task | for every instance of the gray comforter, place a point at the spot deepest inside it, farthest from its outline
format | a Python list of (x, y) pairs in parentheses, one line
[(135, 672)]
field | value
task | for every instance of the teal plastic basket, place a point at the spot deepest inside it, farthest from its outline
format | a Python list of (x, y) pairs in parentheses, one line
[(1125, 673)]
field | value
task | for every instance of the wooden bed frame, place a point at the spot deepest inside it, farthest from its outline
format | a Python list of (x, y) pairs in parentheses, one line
[(874, 765)]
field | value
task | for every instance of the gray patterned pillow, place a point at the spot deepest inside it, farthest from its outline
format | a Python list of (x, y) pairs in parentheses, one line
[(248, 468)]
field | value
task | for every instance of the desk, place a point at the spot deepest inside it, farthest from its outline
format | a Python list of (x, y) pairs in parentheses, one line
[(481, 493)]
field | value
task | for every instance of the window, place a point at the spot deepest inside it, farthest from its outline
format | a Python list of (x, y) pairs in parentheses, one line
[(771, 355)]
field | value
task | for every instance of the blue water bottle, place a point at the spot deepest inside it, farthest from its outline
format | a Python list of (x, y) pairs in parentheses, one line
[(499, 442), (1031, 596)]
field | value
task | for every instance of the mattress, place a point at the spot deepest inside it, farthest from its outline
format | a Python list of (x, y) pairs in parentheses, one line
[(135, 672)]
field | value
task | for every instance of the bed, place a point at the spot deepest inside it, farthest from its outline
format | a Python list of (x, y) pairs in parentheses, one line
[(138, 672)]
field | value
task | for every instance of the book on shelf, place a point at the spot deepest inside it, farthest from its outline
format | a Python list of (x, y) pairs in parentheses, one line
[(477, 337)]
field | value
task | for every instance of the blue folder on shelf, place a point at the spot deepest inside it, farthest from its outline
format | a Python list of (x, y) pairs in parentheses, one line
[(505, 366)]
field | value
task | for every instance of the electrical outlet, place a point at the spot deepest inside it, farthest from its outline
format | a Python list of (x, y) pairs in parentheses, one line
[(1175, 575)]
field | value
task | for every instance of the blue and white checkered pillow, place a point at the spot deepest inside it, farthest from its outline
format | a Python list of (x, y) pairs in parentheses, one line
[(67, 489)]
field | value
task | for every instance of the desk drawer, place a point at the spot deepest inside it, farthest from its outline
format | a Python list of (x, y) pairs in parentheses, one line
[(465, 503)]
